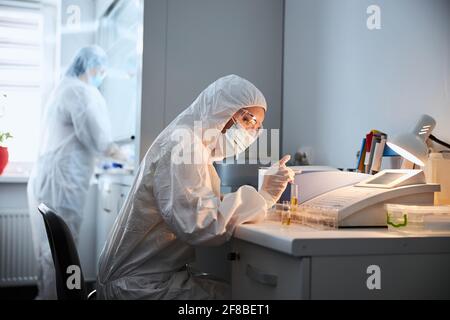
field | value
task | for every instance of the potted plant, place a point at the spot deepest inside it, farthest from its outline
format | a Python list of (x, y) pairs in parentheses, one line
[(4, 155)]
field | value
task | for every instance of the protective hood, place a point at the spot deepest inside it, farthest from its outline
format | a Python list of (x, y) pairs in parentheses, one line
[(212, 109)]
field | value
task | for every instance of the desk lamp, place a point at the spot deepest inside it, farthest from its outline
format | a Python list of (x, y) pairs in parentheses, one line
[(413, 145)]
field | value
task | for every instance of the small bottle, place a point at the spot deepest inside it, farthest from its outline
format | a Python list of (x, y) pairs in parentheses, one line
[(286, 214)]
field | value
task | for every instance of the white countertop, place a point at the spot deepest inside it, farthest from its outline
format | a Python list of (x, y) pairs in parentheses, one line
[(13, 179), (113, 174), (299, 240)]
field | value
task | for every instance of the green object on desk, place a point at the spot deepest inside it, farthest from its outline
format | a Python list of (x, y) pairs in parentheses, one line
[(398, 225)]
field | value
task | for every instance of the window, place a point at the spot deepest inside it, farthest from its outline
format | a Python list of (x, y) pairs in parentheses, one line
[(24, 77)]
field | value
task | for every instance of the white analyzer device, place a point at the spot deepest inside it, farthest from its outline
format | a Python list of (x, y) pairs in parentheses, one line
[(362, 204)]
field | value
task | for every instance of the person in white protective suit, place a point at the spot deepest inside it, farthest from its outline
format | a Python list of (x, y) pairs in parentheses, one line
[(175, 204), (76, 128)]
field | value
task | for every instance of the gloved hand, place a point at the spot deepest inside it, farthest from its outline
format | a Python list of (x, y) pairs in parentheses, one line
[(276, 180), (116, 153)]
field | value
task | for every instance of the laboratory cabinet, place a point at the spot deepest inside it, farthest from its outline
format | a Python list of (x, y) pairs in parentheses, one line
[(262, 274), (299, 263), (113, 190)]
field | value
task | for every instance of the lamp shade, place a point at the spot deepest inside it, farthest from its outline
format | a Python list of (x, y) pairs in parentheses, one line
[(412, 146)]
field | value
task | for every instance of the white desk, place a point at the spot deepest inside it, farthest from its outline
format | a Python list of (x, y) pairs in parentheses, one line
[(296, 262)]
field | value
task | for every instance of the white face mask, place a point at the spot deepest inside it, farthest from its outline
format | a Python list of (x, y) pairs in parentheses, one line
[(234, 142), (96, 81)]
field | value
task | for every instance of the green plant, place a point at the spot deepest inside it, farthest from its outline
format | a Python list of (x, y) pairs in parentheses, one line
[(4, 136)]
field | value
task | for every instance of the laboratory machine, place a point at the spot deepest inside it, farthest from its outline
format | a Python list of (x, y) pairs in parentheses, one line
[(335, 199)]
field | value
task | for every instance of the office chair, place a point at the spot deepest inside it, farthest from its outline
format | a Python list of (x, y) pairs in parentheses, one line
[(65, 256)]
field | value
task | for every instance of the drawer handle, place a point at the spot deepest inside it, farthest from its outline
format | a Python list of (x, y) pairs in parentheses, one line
[(107, 210), (233, 256), (261, 277)]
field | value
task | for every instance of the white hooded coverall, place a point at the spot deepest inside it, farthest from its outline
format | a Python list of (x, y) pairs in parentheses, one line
[(173, 207)]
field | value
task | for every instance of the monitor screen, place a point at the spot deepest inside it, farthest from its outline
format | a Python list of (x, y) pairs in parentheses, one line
[(386, 178)]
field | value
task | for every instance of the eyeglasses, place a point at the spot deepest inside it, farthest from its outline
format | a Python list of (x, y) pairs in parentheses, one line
[(249, 121)]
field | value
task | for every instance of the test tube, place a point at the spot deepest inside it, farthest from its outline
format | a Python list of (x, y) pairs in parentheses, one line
[(294, 195)]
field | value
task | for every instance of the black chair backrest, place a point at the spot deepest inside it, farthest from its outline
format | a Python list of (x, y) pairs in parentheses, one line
[(65, 257)]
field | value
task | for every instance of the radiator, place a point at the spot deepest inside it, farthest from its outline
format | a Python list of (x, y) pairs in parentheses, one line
[(17, 259)]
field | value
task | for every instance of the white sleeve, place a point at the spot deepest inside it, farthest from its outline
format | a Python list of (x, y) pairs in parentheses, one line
[(90, 120), (194, 212)]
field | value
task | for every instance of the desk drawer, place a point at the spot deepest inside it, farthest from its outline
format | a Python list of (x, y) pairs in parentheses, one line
[(263, 274), (381, 277)]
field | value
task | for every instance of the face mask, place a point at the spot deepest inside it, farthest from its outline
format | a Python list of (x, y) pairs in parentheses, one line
[(234, 142), (96, 81)]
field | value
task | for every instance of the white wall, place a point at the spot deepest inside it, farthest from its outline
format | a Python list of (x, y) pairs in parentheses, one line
[(342, 80), (189, 44)]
